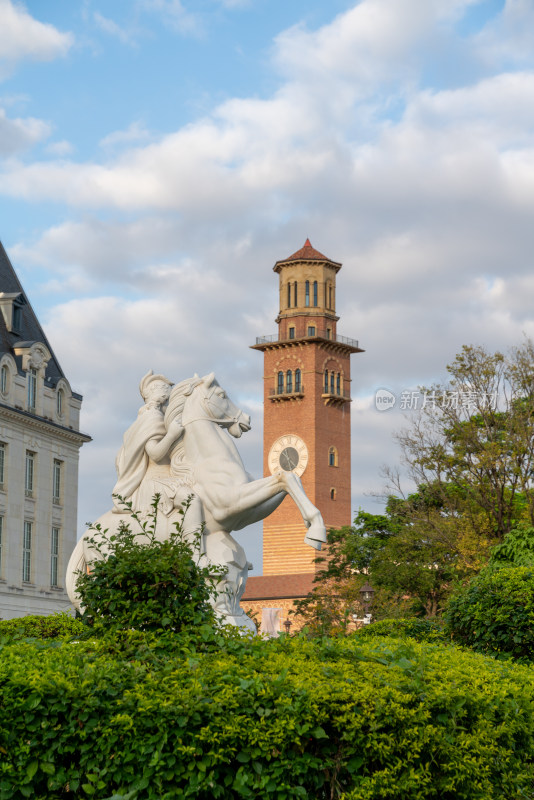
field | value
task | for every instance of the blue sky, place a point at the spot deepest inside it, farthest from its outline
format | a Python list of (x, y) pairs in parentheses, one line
[(157, 157)]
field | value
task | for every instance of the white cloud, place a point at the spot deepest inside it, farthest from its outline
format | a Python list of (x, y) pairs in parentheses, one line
[(175, 15), (24, 37), (112, 28), (135, 132), (62, 148), (19, 134)]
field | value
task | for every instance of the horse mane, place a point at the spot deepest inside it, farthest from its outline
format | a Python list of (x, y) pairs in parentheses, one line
[(174, 411)]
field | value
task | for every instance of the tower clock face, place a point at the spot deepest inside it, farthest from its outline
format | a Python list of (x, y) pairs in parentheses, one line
[(288, 453)]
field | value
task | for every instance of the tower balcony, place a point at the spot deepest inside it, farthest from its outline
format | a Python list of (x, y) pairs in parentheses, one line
[(320, 335)]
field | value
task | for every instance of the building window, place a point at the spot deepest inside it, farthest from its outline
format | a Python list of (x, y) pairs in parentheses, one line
[(332, 457), (311, 330), (297, 380), (4, 379), (17, 317), (315, 293), (295, 303), (280, 383), (329, 333), (331, 383), (289, 381), (54, 557), (326, 381), (307, 294), (292, 333), (329, 297), (29, 473), (332, 494), (56, 482), (27, 553), (59, 402), (338, 383), (32, 389), (2, 465), (1, 541)]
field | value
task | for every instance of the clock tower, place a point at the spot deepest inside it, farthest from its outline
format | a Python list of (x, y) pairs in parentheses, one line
[(306, 410)]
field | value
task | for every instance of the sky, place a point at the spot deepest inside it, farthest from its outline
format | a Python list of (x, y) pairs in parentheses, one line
[(157, 157)]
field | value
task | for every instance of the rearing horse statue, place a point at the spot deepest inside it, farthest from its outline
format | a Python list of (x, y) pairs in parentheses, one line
[(230, 498)]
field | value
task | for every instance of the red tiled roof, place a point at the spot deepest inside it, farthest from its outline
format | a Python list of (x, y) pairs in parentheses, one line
[(273, 587), (307, 253)]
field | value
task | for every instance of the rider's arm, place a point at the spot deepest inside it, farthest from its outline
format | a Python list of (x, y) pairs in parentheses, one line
[(158, 448)]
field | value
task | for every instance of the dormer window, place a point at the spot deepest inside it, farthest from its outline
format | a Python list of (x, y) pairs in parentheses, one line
[(17, 317)]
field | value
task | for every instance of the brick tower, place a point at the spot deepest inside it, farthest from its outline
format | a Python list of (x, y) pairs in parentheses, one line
[(306, 413)]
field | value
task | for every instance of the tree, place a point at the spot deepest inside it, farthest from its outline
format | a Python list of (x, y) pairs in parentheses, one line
[(472, 447), (470, 452)]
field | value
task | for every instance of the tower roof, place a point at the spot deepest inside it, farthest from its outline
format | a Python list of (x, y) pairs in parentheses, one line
[(306, 253)]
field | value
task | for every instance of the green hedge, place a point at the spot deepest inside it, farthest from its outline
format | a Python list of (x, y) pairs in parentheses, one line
[(494, 613), (289, 718), (422, 630), (52, 626)]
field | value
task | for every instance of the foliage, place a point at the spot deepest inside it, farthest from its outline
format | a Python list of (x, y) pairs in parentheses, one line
[(351, 718), (422, 630), (138, 581), (517, 548), (329, 610), (53, 626), (470, 450), (494, 613)]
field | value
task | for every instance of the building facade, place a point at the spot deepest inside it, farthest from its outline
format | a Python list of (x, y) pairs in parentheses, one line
[(39, 449), (306, 424)]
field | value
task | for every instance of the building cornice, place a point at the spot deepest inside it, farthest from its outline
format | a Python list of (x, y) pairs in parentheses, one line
[(41, 424)]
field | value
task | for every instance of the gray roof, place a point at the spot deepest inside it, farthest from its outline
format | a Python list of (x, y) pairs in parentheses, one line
[(30, 329)]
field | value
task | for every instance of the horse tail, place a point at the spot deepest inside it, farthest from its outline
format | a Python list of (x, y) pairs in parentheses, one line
[(76, 564)]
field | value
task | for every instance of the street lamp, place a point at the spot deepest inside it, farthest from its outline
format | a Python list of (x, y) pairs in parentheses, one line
[(287, 625), (366, 594)]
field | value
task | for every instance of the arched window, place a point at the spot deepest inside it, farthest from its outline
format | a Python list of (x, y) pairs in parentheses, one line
[(331, 383), (289, 295), (297, 380), (289, 381), (332, 457), (326, 381), (315, 294), (332, 494), (280, 383), (307, 294), (329, 297), (4, 379), (338, 383), (295, 302), (59, 402)]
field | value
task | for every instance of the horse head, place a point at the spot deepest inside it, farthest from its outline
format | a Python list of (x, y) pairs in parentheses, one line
[(205, 399)]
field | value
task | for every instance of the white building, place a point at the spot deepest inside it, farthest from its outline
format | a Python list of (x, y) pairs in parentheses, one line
[(39, 446)]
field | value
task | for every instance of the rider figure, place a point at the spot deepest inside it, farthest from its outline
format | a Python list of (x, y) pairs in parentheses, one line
[(143, 464)]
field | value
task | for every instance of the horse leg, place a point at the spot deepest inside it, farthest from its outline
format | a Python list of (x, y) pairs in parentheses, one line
[(316, 534)]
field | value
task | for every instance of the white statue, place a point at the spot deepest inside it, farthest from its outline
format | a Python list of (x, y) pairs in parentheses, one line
[(179, 445)]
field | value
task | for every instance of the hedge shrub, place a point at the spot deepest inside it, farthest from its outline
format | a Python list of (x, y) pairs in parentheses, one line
[(289, 718), (494, 613), (422, 630), (142, 582), (53, 626)]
